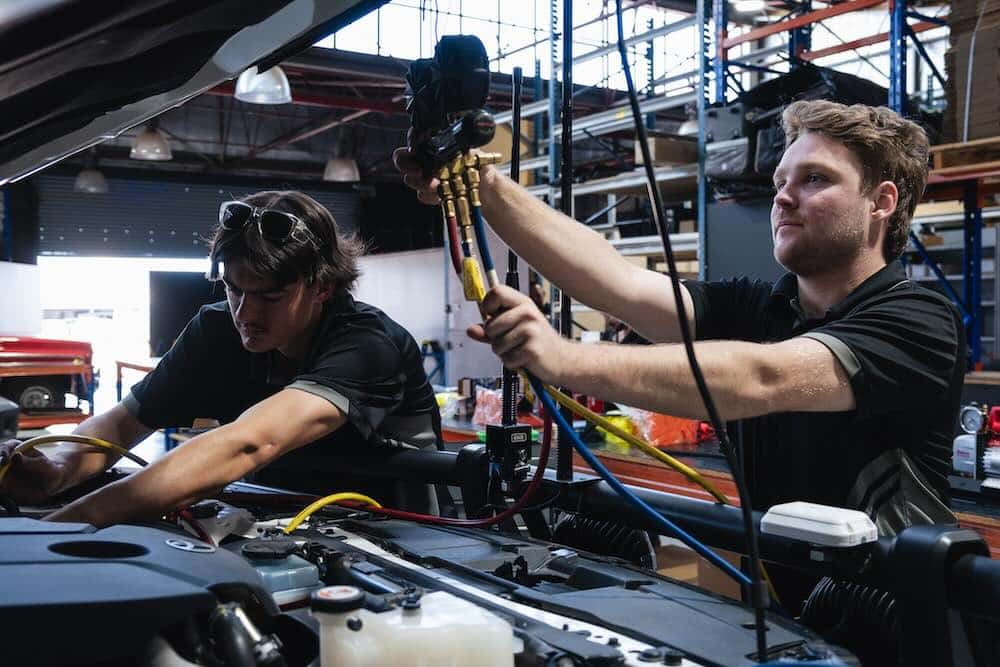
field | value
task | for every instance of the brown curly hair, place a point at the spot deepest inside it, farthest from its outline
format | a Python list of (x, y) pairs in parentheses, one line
[(332, 261), (889, 147)]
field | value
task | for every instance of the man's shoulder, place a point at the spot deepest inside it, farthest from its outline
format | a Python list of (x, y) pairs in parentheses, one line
[(360, 320), (909, 294), (213, 319)]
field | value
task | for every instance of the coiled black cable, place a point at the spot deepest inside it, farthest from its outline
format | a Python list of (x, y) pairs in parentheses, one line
[(862, 619), (606, 538)]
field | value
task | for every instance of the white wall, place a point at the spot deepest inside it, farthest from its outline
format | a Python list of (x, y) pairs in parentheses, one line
[(468, 358), (20, 310), (409, 287)]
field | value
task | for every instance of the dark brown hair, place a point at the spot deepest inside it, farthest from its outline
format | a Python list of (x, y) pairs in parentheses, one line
[(889, 147), (331, 260)]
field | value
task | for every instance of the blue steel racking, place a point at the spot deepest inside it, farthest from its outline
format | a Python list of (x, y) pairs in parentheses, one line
[(715, 45)]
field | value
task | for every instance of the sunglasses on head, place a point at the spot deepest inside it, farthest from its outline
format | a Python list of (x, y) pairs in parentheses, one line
[(274, 225)]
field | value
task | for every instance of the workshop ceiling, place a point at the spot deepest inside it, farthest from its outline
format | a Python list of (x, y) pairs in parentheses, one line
[(75, 75)]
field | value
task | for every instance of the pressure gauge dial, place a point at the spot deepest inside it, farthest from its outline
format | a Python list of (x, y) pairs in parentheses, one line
[(971, 418)]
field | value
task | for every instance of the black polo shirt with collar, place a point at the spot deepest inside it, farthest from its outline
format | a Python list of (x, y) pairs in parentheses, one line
[(903, 348), (358, 358)]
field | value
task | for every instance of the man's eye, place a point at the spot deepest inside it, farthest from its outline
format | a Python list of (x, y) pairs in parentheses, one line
[(815, 178)]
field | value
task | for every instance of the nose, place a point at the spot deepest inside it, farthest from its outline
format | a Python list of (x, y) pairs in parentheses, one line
[(783, 197), (243, 309)]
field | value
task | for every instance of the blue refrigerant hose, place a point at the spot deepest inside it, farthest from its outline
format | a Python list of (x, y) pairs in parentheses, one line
[(665, 524), (479, 226)]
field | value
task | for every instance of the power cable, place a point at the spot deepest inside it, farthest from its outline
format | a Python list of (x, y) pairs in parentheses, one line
[(757, 591)]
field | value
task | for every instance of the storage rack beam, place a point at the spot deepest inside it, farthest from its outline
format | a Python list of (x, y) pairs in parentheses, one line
[(809, 56), (629, 179), (618, 118), (797, 22), (632, 41)]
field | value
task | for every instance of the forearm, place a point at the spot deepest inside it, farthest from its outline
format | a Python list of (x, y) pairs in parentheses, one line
[(577, 259), (189, 473), (658, 377), (81, 462)]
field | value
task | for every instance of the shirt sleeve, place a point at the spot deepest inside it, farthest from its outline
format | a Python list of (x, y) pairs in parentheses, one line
[(898, 352), (729, 309), (171, 393), (360, 372)]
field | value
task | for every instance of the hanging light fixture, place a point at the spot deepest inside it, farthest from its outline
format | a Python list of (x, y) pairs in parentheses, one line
[(270, 87), (151, 144), (342, 170), (90, 180)]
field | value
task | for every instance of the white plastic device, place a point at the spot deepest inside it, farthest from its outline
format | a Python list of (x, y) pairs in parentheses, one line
[(444, 631), (819, 524), (963, 454)]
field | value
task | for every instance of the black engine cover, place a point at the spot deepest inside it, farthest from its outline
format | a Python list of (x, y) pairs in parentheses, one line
[(72, 594)]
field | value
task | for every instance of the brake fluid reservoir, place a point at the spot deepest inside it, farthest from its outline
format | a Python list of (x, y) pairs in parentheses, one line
[(436, 630)]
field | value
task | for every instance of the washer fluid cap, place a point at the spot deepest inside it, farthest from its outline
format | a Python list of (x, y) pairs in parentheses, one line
[(337, 599), (269, 548)]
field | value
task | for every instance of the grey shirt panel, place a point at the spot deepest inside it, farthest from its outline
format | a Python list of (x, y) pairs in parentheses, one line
[(844, 354)]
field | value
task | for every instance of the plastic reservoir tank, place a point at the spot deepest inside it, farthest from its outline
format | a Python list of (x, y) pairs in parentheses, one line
[(289, 578), (436, 630)]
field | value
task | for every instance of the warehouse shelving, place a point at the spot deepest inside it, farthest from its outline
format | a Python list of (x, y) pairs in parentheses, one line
[(716, 71), (970, 185)]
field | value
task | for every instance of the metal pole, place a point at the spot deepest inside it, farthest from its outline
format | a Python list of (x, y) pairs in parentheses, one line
[(897, 57), (702, 99), (564, 470), (972, 279), (721, 56), (510, 377), (800, 38)]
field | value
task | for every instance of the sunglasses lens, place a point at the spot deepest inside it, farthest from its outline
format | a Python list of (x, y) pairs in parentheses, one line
[(234, 215), (276, 226)]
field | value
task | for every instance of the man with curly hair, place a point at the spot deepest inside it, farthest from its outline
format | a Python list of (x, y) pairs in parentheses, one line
[(845, 375)]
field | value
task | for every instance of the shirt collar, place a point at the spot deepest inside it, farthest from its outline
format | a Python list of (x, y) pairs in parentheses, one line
[(786, 290)]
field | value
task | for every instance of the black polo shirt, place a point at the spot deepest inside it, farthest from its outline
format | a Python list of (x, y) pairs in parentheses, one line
[(358, 359), (903, 347)]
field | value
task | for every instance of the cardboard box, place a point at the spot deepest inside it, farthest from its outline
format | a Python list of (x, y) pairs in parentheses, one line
[(668, 150)]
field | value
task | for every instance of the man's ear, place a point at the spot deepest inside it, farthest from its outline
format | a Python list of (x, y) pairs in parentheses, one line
[(324, 291), (884, 198)]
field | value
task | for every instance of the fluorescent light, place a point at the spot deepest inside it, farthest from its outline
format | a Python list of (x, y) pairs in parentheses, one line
[(270, 87), (747, 6)]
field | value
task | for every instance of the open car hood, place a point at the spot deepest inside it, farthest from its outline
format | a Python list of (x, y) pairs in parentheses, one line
[(73, 72)]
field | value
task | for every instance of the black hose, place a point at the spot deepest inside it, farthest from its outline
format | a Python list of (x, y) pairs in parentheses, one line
[(757, 595), (232, 642)]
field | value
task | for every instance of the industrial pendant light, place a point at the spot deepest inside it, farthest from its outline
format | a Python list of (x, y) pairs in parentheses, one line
[(151, 144), (90, 180), (270, 87), (342, 170)]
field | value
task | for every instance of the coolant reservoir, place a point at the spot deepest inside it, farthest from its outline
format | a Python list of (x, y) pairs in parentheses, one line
[(437, 630), (289, 578)]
